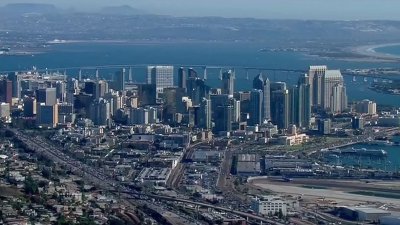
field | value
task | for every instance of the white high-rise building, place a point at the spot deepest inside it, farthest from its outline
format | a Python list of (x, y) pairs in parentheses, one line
[(338, 99), (334, 97), (161, 76)]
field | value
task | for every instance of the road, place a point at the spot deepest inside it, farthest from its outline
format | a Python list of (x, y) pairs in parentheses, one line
[(240, 213)]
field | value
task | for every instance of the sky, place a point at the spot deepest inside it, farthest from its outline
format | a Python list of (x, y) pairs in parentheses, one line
[(271, 9)]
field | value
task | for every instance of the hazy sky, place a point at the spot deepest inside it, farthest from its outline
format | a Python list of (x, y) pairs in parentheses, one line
[(282, 9)]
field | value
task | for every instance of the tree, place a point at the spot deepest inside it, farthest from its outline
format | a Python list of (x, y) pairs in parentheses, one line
[(30, 186)]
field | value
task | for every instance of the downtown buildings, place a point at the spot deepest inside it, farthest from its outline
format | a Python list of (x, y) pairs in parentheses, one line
[(57, 100)]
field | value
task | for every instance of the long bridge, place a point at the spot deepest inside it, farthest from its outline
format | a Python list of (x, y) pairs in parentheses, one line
[(204, 68)]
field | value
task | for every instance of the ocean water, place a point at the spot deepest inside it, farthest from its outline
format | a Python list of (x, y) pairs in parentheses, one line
[(225, 55), (389, 163), (393, 50)]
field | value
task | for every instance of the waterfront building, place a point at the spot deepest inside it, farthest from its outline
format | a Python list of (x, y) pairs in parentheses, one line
[(228, 81), (315, 76), (269, 205), (47, 115), (357, 123), (161, 76), (324, 126), (366, 107), (334, 97)]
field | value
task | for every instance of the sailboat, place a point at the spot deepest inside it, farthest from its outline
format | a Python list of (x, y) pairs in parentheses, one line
[(354, 79)]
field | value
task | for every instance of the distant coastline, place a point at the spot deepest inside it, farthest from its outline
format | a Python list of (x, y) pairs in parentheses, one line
[(370, 51)]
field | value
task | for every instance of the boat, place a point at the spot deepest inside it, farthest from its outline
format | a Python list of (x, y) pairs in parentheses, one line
[(380, 142), (365, 79), (360, 151), (354, 79)]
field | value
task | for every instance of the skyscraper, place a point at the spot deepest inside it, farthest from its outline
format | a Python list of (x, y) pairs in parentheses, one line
[(228, 81), (205, 114), (256, 103), (6, 91), (161, 76), (267, 100), (223, 118), (258, 82), (304, 96), (173, 103), (100, 112), (119, 80), (182, 78), (334, 98), (47, 115), (315, 75), (47, 96), (280, 108)]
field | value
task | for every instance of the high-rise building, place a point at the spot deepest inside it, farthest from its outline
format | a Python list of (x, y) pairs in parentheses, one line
[(357, 123), (334, 98), (223, 118), (119, 80), (192, 73), (161, 76), (147, 94), (256, 106), (366, 107), (258, 82), (264, 85), (304, 98), (196, 88), (142, 116), (47, 115), (294, 105), (267, 100), (338, 99), (173, 103), (100, 112), (236, 110), (66, 113), (5, 111), (280, 108), (47, 96), (29, 106), (324, 126), (315, 75), (61, 90), (205, 114), (228, 81), (182, 77), (6, 91)]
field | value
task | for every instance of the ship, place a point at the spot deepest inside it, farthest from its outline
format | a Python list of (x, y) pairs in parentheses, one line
[(360, 152)]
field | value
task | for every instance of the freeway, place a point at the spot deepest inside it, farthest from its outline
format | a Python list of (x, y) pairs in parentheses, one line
[(240, 213)]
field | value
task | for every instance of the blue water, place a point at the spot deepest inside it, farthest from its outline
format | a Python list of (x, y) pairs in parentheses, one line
[(393, 50), (218, 54), (390, 163)]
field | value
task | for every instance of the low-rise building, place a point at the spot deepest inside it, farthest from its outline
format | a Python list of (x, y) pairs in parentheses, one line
[(269, 205)]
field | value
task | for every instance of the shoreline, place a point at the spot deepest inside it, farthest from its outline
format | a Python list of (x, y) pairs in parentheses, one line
[(370, 51)]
